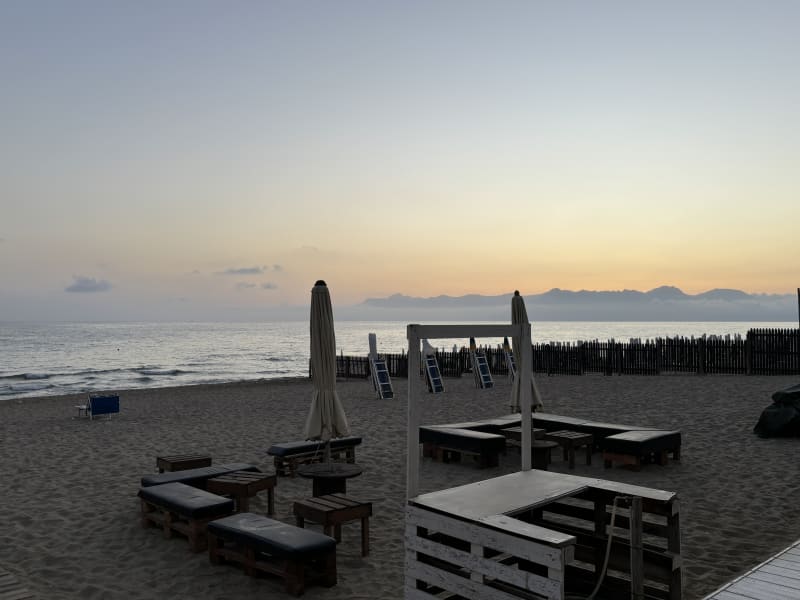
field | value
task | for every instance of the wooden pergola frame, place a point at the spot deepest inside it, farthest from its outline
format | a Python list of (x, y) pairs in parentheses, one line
[(415, 334)]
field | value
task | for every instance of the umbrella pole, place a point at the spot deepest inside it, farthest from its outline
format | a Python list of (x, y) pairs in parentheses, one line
[(327, 452)]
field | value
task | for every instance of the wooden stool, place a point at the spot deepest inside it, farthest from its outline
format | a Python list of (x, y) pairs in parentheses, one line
[(569, 440), (540, 453), (243, 485), (333, 510), (182, 462)]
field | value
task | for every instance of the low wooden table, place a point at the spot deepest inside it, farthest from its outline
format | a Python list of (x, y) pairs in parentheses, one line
[(569, 440), (332, 510), (243, 485), (329, 478), (181, 462)]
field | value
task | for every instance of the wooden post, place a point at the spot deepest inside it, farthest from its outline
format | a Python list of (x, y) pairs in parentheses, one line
[(525, 373), (412, 468), (637, 551)]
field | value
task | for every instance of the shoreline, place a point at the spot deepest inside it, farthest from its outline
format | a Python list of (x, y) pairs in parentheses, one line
[(71, 484)]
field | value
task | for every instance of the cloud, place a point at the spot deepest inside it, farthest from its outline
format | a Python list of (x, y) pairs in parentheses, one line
[(243, 271), (245, 285), (269, 286), (274, 267), (83, 285)]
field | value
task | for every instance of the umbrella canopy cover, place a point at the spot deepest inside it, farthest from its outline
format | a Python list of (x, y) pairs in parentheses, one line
[(520, 315), (326, 418)]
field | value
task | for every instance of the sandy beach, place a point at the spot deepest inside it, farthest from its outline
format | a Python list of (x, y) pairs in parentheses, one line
[(70, 528)]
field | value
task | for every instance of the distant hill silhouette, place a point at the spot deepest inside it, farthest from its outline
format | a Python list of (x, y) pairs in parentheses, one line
[(665, 303)]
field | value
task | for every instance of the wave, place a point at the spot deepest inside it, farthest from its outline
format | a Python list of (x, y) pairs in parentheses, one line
[(148, 371), (27, 376)]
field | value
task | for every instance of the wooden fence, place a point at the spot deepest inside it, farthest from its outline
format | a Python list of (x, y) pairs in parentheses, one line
[(761, 352)]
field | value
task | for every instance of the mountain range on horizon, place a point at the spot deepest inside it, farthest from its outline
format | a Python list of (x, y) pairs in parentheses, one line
[(664, 303)]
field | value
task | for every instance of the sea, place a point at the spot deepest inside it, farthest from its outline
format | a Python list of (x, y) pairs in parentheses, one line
[(47, 359)]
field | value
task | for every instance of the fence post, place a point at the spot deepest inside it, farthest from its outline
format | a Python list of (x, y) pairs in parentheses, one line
[(701, 356), (748, 353)]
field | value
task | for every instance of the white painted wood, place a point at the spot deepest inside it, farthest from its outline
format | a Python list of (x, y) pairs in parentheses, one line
[(551, 588), (761, 575), (476, 551), (412, 450), (773, 568), (525, 398), (763, 590), (454, 583), (529, 530), (526, 548)]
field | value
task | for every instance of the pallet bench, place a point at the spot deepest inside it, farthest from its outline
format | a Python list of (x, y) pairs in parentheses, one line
[(181, 462), (182, 508), (634, 448), (289, 455), (261, 544), (332, 511), (447, 444), (195, 477)]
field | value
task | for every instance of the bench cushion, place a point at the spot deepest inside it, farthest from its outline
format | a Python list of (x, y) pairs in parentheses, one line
[(641, 443), (467, 440), (277, 539), (290, 448), (187, 501), (195, 477)]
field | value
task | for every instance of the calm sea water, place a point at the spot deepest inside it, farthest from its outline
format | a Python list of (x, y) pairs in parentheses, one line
[(43, 359)]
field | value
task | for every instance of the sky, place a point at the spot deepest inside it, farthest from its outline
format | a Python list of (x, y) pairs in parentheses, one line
[(212, 160)]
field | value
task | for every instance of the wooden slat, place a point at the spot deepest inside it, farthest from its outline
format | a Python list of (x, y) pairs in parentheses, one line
[(484, 566), (528, 549)]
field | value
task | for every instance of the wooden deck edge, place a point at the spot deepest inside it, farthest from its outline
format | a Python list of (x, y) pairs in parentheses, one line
[(728, 584)]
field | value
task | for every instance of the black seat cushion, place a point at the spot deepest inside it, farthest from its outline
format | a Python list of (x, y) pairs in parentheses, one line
[(290, 448), (195, 477), (277, 539), (186, 500), (468, 440), (641, 443)]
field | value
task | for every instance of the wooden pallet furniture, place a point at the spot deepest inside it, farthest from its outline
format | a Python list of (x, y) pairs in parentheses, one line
[(182, 462), (243, 485), (539, 534), (446, 444), (289, 455), (260, 544), (176, 507), (332, 511), (195, 477), (634, 448), (570, 441)]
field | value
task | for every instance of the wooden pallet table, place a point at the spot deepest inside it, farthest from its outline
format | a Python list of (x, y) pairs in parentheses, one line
[(332, 511), (569, 441), (243, 485)]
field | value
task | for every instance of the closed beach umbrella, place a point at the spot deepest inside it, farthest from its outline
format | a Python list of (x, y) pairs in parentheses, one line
[(520, 315), (326, 419)]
